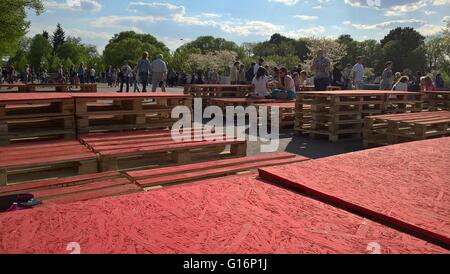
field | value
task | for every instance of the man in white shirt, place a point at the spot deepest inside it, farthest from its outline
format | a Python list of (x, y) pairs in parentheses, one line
[(258, 65), (159, 73), (358, 74)]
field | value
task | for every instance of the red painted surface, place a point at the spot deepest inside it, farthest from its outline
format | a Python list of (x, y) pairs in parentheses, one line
[(362, 92), (407, 184), (110, 95), (238, 214), (17, 97), (249, 100)]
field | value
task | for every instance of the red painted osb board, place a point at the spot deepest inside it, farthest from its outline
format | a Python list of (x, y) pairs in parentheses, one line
[(406, 184), (236, 214)]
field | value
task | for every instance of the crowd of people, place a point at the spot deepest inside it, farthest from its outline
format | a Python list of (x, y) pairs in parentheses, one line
[(269, 82)]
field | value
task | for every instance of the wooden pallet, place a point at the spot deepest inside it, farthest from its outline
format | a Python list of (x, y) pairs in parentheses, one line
[(339, 114), (399, 128), (40, 128), (121, 112), (436, 100), (208, 90), (244, 102), (286, 111), (32, 105), (155, 146), (58, 88), (19, 87), (307, 88), (51, 155), (75, 189), (150, 178)]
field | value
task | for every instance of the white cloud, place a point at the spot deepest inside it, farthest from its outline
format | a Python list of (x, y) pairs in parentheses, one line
[(406, 8), (286, 2), (211, 15), (123, 21), (386, 24), (441, 2), (429, 30), (306, 17), (73, 5)]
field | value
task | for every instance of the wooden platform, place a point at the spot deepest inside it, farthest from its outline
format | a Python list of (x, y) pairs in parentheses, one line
[(38, 156), (192, 172), (155, 146), (75, 189), (232, 215), (103, 112), (36, 116), (338, 115), (437, 100), (52, 87), (398, 128), (244, 102), (405, 185), (213, 91), (286, 110)]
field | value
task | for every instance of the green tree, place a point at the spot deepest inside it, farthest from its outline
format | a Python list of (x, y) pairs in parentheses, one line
[(40, 51), (280, 45), (59, 37), (129, 46), (208, 44), (14, 25)]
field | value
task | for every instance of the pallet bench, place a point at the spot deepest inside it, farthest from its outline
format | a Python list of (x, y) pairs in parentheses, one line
[(150, 178), (75, 189), (286, 111), (39, 156), (339, 115), (20, 87), (211, 91), (437, 100), (156, 146), (398, 128), (103, 112), (36, 116), (244, 102)]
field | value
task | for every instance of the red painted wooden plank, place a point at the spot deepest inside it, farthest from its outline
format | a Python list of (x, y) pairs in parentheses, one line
[(48, 160), (26, 187), (33, 96), (38, 145), (236, 214), (179, 146), (196, 175), (48, 151), (109, 95), (209, 164), (406, 184), (95, 194), (47, 193)]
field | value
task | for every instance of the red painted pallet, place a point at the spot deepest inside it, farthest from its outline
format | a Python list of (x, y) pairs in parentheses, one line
[(437, 100), (286, 113), (74, 189), (156, 146), (232, 215), (211, 169), (19, 159), (406, 185)]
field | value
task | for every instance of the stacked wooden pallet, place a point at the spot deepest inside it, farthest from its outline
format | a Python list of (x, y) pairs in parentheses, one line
[(398, 128), (286, 113), (154, 147), (214, 91), (339, 114), (44, 156), (75, 189), (103, 112), (244, 102), (151, 178), (36, 116), (437, 100)]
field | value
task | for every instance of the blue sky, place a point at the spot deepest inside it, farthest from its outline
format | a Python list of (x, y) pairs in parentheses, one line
[(96, 21)]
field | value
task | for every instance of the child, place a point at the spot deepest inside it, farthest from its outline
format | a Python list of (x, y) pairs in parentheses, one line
[(402, 84), (261, 83)]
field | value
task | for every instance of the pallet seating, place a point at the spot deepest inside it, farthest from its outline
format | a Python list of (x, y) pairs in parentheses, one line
[(306, 88), (156, 146), (19, 87), (286, 111), (58, 87), (339, 115), (212, 91), (437, 100), (75, 189), (103, 112), (39, 156), (36, 116), (398, 128), (150, 178), (244, 102)]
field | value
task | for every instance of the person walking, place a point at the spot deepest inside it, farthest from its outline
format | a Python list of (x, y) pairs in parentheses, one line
[(144, 69), (125, 79), (92, 75), (159, 73), (387, 77), (358, 74), (242, 78), (234, 73), (258, 65), (81, 73), (321, 67), (27, 75)]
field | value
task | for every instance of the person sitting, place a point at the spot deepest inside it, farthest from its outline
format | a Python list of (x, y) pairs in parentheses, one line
[(287, 87), (402, 84), (261, 84), (297, 80), (337, 76), (426, 84)]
